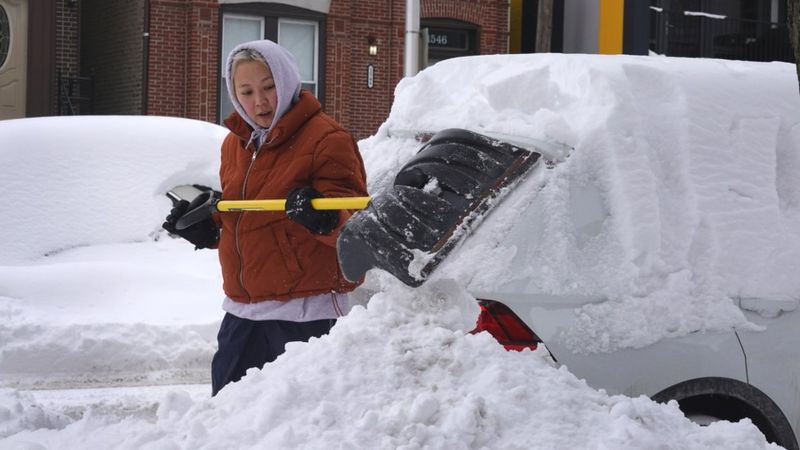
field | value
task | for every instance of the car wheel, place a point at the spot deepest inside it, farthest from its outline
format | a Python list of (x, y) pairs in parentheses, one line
[(706, 400)]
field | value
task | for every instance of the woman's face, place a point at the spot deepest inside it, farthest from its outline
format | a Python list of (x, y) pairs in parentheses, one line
[(255, 90)]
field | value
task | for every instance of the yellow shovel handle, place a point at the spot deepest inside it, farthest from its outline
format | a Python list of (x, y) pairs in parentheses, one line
[(280, 204)]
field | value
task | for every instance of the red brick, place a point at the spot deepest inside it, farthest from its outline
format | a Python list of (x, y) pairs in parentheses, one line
[(182, 71)]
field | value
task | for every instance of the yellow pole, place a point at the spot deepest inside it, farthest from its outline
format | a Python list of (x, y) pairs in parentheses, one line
[(610, 26), (280, 204)]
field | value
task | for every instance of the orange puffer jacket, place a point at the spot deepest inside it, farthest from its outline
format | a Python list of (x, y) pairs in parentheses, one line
[(265, 255)]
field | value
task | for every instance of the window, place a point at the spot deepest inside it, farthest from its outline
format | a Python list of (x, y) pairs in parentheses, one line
[(298, 30), (236, 29), (743, 29), (449, 39), (300, 38), (5, 36)]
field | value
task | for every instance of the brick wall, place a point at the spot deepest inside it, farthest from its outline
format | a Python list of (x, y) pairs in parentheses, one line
[(112, 51), (183, 47), (67, 51), (490, 15), (167, 74), (202, 65), (351, 24)]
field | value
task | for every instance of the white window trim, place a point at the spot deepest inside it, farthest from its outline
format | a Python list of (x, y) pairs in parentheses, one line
[(323, 6)]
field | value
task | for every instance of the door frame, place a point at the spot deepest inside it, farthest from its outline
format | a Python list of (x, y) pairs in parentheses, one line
[(41, 58)]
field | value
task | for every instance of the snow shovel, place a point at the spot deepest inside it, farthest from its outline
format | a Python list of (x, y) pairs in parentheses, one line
[(454, 179), (208, 203)]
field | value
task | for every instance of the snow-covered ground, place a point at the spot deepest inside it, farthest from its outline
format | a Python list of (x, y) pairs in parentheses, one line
[(108, 325)]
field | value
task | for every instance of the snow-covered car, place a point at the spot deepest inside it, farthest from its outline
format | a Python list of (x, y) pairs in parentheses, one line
[(659, 256), (84, 221)]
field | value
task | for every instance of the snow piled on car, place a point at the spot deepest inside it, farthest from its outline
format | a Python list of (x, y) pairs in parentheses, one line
[(693, 163), (79, 180)]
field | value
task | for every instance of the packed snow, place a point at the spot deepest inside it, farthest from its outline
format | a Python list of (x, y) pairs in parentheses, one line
[(692, 161)]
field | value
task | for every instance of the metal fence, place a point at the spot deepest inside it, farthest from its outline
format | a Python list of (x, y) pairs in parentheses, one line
[(75, 95), (694, 34)]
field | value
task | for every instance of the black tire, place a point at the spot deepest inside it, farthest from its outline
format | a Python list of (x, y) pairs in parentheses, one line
[(732, 400)]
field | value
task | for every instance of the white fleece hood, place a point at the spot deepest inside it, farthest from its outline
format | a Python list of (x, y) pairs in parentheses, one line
[(285, 74)]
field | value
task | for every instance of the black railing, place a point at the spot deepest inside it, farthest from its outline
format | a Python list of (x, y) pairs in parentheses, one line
[(696, 34), (75, 95)]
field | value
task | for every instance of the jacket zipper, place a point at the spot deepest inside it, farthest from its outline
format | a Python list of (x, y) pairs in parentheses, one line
[(238, 221)]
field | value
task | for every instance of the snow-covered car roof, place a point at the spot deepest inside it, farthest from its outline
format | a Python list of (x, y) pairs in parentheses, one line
[(83, 180)]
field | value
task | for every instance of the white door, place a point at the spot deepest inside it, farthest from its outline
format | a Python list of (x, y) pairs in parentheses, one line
[(13, 57)]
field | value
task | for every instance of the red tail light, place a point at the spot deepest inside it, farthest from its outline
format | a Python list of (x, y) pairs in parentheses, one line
[(509, 330)]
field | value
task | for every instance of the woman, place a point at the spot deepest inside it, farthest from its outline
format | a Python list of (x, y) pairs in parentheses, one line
[(280, 273)]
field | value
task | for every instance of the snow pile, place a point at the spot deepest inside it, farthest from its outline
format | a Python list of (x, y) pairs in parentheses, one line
[(403, 374), (691, 166), (66, 191), (19, 411), (129, 313)]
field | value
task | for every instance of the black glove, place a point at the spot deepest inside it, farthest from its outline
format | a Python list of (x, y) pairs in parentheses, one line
[(202, 234), (299, 209)]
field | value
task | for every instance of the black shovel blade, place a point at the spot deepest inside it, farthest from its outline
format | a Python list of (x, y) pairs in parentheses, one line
[(455, 178), (200, 209)]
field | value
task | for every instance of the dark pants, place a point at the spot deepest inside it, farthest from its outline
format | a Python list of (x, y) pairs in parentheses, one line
[(247, 343)]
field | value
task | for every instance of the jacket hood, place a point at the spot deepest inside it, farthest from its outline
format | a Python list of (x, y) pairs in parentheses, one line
[(285, 74)]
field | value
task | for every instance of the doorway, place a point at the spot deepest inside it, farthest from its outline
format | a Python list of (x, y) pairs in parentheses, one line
[(13, 58)]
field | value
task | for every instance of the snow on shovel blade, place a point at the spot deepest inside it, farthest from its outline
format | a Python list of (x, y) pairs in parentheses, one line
[(455, 178)]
